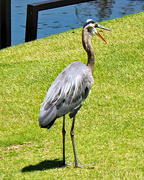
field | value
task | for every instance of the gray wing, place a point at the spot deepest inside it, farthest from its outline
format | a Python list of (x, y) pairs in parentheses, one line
[(66, 94)]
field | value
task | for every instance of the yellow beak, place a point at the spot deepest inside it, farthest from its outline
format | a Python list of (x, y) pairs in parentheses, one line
[(101, 27)]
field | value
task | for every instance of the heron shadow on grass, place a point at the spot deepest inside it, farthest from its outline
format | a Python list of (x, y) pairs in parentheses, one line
[(47, 164)]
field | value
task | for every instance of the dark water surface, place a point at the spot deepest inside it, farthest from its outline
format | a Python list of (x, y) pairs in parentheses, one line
[(61, 19)]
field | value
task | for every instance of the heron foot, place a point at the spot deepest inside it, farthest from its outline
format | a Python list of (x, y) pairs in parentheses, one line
[(63, 164), (67, 164), (79, 166), (88, 166)]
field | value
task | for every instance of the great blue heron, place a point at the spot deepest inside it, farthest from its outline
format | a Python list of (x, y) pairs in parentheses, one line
[(70, 88)]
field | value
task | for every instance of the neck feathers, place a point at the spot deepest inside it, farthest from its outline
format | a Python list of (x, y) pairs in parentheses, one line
[(86, 37)]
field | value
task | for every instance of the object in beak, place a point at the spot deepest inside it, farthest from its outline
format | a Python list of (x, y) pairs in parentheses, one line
[(101, 27)]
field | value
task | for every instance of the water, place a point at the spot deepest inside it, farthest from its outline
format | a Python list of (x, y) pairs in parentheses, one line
[(61, 19)]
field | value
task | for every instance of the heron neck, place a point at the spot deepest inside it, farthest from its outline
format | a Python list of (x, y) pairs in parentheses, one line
[(86, 37)]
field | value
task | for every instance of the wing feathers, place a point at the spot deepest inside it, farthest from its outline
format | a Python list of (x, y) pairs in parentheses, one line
[(67, 93)]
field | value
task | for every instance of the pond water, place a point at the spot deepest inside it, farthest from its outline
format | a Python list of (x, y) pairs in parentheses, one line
[(61, 19)]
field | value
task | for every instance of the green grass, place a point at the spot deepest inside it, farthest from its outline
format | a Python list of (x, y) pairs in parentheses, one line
[(109, 130)]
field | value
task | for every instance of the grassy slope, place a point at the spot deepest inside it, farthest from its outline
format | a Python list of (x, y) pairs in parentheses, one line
[(109, 127)]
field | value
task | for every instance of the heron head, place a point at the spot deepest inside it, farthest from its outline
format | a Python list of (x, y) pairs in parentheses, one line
[(91, 26)]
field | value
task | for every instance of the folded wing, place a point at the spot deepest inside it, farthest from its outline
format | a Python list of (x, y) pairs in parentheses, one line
[(66, 94)]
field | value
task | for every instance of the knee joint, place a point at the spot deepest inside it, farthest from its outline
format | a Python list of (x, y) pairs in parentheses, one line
[(72, 133)]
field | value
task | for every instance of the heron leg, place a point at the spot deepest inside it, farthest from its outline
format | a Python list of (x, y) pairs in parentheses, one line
[(63, 133), (72, 137)]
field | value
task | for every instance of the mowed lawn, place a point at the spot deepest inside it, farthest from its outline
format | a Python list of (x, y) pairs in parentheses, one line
[(109, 128)]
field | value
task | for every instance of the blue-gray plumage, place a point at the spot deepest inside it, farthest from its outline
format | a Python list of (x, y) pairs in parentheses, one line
[(70, 88), (66, 94)]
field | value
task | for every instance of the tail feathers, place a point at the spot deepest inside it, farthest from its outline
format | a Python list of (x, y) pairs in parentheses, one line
[(49, 125), (47, 117)]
